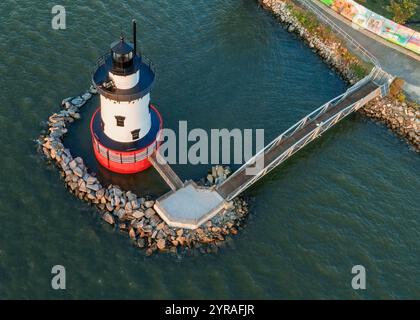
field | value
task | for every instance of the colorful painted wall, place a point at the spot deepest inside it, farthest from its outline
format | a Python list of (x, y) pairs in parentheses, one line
[(377, 24)]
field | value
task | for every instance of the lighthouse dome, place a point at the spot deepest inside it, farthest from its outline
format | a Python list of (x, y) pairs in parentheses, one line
[(121, 47)]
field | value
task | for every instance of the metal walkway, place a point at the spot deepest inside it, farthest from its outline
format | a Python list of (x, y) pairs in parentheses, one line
[(166, 172), (304, 131)]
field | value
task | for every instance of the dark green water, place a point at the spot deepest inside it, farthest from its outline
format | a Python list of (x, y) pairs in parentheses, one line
[(349, 198)]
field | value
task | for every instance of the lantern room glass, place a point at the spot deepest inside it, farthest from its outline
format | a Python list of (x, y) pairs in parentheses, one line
[(122, 61)]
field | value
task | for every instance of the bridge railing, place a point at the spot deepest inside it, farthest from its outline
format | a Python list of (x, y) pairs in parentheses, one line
[(310, 117), (377, 75), (321, 128)]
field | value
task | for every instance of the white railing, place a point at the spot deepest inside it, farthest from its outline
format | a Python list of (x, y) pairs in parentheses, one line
[(323, 126), (376, 75)]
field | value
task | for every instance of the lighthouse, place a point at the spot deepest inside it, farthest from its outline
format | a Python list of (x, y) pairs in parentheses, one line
[(125, 127)]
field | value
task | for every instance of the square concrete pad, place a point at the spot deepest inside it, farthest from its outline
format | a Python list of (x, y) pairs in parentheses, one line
[(189, 206)]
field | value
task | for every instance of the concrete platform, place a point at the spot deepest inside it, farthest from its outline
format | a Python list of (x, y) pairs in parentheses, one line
[(189, 206)]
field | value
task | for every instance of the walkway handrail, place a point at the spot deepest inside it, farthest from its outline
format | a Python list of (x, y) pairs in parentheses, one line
[(375, 72), (312, 116), (292, 149)]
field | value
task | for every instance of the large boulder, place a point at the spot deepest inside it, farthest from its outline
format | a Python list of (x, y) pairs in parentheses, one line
[(141, 242), (100, 193), (138, 214), (210, 178), (149, 203), (91, 179), (78, 102), (79, 172), (109, 207), (149, 213), (135, 204), (108, 218), (86, 96), (130, 196), (128, 207), (94, 187), (161, 244), (132, 234), (93, 90), (120, 213)]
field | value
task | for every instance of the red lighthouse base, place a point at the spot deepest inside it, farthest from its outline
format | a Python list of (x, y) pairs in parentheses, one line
[(121, 157)]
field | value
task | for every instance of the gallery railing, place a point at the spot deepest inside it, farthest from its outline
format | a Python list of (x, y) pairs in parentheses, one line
[(125, 157)]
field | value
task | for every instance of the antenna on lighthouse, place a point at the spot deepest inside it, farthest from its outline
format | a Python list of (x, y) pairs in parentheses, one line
[(135, 35)]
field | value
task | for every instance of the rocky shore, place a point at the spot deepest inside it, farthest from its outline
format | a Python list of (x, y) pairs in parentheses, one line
[(125, 210), (399, 115)]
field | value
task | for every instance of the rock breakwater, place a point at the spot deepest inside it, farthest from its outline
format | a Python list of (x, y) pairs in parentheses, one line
[(125, 210)]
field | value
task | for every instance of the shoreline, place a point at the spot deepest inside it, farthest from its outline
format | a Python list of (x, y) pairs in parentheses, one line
[(131, 214), (400, 115)]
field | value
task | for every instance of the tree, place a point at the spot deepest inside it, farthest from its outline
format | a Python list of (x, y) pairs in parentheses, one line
[(402, 10)]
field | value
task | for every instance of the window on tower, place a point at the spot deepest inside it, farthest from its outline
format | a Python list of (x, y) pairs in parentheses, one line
[(135, 134), (120, 121)]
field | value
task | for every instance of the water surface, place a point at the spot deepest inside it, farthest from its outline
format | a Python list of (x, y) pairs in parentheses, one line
[(349, 198)]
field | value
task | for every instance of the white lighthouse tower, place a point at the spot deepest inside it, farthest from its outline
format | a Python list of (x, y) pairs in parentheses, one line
[(126, 125)]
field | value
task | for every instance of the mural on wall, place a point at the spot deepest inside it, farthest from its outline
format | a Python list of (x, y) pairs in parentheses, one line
[(402, 35), (362, 16), (345, 8), (376, 23), (389, 30), (414, 43)]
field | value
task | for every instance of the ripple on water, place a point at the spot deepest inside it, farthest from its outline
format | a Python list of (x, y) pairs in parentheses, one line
[(349, 198)]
